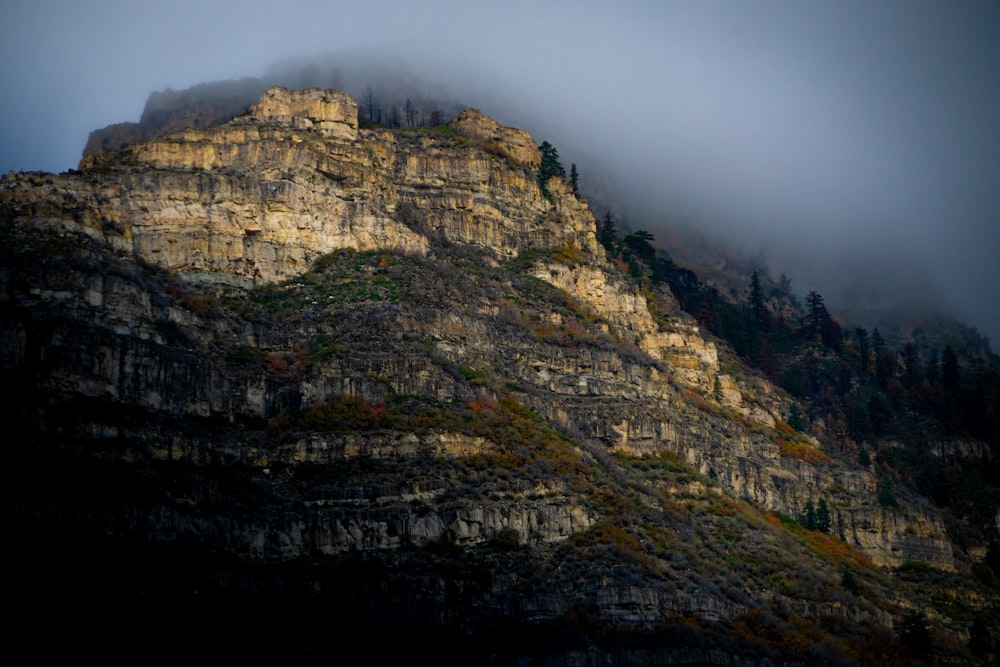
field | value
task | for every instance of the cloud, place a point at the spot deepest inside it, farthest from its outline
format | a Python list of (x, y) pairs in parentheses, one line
[(823, 130)]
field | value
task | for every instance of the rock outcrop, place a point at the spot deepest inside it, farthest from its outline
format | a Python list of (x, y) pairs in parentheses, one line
[(258, 199), (516, 143), (334, 113), (263, 196), (437, 357)]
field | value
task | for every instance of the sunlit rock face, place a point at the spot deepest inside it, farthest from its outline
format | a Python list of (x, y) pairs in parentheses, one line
[(258, 199), (262, 196), (333, 112), (480, 294), (518, 143)]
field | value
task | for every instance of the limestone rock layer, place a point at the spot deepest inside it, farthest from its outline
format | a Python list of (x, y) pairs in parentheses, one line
[(410, 286)]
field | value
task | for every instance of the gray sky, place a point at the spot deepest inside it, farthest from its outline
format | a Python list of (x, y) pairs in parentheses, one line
[(814, 130)]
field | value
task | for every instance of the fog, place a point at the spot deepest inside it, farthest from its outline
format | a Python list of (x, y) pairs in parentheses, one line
[(855, 144)]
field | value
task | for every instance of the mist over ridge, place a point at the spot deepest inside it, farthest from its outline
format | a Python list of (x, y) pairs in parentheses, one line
[(349, 365), (851, 146)]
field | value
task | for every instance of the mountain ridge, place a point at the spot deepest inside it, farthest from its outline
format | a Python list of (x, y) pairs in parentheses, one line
[(330, 304)]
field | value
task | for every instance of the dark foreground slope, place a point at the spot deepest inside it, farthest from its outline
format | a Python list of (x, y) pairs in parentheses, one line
[(450, 520)]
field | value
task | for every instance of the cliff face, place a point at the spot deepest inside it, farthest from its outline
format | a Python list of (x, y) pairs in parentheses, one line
[(433, 356), (263, 196)]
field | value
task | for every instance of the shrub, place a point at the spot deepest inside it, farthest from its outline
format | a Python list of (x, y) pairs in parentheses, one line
[(605, 532), (445, 546), (202, 305), (325, 347), (801, 451), (471, 374), (569, 254), (886, 498), (508, 539), (199, 304), (835, 550), (345, 412), (247, 353), (848, 582), (277, 362)]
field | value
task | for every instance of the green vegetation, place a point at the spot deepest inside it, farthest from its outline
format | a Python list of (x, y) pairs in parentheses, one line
[(853, 386), (247, 353), (886, 498), (649, 525), (508, 539), (550, 166), (643, 521), (816, 517), (337, 280)]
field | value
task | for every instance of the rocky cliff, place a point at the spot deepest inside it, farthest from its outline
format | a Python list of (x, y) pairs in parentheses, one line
[(287, 339), (263, 196)]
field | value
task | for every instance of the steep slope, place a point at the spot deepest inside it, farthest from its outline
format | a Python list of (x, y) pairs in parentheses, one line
[(380, 374)]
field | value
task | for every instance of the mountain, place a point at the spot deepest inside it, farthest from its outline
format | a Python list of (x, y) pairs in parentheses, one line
[(389, 92), (355, 383)]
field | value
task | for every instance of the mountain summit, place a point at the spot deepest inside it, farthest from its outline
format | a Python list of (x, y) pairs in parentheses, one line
[(377, 385)]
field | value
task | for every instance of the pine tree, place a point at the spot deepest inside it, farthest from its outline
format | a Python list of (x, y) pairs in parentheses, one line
[(606, 233), (809, 515), (822, 517), (786, 284), (817, 316), (878, 347), (864, 349), (574, 179), (795, 418), (549, 167), (641, 243), (756, 301)]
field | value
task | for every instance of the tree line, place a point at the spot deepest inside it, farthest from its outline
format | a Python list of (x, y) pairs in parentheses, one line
[(551, 166), (407, 114), (893, 409)]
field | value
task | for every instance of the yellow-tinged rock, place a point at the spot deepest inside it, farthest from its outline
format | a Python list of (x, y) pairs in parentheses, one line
[(329, 110)]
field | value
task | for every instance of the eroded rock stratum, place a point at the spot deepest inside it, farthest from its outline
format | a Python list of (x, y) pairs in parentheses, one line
[(166, 305)]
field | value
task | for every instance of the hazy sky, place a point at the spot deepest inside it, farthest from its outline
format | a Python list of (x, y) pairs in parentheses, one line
[(864, 129)]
